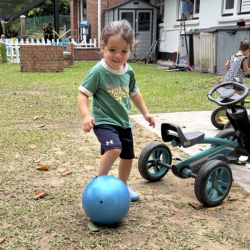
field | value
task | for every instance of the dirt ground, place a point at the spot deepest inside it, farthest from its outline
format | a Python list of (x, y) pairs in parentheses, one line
[(58, 221)]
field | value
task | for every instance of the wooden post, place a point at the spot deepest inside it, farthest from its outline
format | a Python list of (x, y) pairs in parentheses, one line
[(23, 27)]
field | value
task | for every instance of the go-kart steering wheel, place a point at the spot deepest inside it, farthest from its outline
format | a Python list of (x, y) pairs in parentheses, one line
[(228, 97)]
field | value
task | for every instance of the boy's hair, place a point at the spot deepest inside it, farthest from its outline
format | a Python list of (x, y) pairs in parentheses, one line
[(244, 45), (115, 28)]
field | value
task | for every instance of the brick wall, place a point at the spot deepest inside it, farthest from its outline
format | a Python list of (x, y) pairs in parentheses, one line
[(87, 54), (41, 58), (70, 48)]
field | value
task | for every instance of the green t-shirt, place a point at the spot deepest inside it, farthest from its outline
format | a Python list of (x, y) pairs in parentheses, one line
[(111, 90)]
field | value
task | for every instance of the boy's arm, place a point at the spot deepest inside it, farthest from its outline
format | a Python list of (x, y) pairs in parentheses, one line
[(88, 120), (245, 66), (227, 65), (140, 105)]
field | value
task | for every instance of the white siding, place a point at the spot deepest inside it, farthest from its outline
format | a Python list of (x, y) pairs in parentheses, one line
[(210, 16)]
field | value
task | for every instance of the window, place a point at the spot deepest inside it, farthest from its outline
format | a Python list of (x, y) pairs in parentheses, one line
[(245, 6), (129, 16), (161, 6), (229, 6), (144, 21), (196, 8)]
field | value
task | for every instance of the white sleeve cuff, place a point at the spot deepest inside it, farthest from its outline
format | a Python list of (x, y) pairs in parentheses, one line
[(135, 93), (85, 91)]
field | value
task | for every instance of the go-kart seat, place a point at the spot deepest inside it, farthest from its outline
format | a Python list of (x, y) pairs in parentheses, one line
[(186, 140)]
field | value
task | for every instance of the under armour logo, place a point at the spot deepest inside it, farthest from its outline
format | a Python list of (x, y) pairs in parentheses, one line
[(109, 142)]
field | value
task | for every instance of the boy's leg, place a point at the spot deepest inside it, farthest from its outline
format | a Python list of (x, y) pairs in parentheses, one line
[(107, 161), (124, 170), (110, 147)]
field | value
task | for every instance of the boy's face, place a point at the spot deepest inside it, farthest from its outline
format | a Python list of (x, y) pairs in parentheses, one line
[(116, 52)]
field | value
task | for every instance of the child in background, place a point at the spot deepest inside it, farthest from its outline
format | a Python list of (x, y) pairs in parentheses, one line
[(113, 85), (236, 66)]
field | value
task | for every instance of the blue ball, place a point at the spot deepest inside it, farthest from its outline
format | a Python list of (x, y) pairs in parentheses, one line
[(106, 200)]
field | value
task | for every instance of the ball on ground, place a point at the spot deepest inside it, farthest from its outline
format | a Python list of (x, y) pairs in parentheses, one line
[(106, 200)]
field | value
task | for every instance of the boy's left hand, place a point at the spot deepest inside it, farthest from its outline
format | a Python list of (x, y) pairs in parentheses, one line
[(148, 117)]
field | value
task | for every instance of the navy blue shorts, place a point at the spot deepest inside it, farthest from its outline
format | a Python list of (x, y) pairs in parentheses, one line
[(115, 137)]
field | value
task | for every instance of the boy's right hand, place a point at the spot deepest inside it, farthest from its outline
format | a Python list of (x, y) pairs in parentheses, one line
[(88, 123)]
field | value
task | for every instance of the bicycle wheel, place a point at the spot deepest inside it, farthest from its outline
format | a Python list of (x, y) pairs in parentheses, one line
[(219, 117)]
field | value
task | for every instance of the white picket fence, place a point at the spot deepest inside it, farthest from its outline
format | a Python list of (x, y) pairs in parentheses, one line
[(84, 44), (13, 48)]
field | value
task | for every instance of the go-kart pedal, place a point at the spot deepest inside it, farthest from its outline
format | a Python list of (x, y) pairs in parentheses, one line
[(231, 158), (186, 140)]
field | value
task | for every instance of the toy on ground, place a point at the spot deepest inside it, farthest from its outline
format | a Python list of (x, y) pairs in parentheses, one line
[(106, 200), (213, 176)]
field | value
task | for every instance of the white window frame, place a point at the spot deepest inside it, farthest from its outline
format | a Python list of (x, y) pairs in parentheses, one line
[(246, 4), (229, 11), (180, 9), (161, 6)]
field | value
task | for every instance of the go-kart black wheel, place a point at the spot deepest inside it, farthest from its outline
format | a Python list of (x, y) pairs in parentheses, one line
[(217, 117), (228, 134), (213, 183), (150, 155), (228, 125)]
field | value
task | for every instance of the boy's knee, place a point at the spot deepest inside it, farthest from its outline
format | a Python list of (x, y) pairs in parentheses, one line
[(116, 151)]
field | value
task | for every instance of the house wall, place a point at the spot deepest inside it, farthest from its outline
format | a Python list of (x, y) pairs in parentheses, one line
[(210, 15)]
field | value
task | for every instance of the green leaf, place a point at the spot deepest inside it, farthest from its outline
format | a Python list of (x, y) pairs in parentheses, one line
[(93, 227)]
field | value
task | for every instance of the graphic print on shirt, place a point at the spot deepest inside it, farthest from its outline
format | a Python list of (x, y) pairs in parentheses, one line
[(120, 94)]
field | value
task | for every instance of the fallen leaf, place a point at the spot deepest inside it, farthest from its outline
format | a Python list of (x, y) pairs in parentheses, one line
[(93, 227), (66, 172), (73, 161), (175, 209), (86, 141), (42, 118), (231, 199), (2, 239), (180, 224), (33, 146), (193, 205), (198, 217), (55, 186), (201, 149), (211, 209), (42, 167), (235, 185), (41, 126), (40, 195), (136, 157), (214, 208), (35, 118), (154, 139)]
